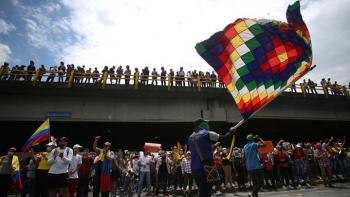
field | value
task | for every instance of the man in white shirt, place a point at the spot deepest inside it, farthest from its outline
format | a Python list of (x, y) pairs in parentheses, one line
[(73, 170), (59, 160), (145, 171)]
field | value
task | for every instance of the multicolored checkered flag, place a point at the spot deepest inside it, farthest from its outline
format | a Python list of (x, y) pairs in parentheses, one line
[(258, 59)]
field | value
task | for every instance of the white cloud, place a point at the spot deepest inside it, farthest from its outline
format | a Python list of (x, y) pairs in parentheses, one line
[(159, 33), (328, 24), (154, 32), (5, 53), (5, 27)]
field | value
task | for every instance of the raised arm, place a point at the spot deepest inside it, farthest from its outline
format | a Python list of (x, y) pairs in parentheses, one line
[(94, 146)]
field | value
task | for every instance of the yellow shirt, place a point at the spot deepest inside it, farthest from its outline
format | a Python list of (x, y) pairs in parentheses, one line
[(43, 165)]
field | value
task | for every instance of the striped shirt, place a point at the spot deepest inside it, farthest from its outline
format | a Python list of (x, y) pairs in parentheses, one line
[(186, 166)]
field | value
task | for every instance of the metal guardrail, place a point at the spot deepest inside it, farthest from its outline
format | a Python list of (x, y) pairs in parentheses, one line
[(137, 80)]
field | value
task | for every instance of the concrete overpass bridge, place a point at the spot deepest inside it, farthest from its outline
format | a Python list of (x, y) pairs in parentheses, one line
[(151, 110)]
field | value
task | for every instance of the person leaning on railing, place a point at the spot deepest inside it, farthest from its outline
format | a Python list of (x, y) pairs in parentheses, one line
[(119, 74), (127, 74), (95, 75), (41, 72), (4, 71), (61, 72), (336, 89), (88, 76), (30, 70), (162, 76)]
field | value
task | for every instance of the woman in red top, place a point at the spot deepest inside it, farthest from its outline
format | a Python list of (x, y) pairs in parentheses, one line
[(283, 159), (267, 160), (84, 173)]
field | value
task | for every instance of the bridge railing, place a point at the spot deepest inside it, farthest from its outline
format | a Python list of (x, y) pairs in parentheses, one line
[(138, 80)]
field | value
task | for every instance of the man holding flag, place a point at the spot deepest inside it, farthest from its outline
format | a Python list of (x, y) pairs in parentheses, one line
[(9, 170)]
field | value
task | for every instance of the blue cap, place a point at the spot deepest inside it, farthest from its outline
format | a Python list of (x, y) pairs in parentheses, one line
[(198, 121)]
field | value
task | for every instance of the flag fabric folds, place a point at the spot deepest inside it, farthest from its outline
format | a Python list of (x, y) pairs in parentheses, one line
[(40, 135), (16, 177), (258, 59)]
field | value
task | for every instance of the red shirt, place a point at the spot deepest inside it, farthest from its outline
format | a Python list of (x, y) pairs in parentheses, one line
[(268, 165), (85, 168), (297, 154), (283, 159), (218, 162)]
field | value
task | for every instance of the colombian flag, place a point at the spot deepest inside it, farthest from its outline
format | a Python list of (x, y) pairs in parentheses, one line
[(16, 177), (40, 135)]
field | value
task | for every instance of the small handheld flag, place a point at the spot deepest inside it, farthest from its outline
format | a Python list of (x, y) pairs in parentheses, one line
[(40, 135)]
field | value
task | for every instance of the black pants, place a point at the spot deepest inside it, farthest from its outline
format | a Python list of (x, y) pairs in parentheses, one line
[(83, 187), (286, 175), (257, 177), (41, 187), (177, 178), (204, 188), (4, 184), (162, 182), (188, 181)]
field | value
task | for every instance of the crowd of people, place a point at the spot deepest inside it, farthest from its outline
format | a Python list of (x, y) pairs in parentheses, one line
[(114, 75), (115, 172), (120, 75)]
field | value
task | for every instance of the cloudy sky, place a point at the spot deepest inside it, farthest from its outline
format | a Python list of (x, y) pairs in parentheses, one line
[(156, 33)]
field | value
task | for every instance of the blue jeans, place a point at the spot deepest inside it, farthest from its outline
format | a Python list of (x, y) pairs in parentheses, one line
[(300, 169), (148, 180), (334, 166), (204, 188)]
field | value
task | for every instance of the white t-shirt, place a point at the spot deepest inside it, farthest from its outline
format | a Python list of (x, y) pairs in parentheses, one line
[(76, 160), (145, 163), (60, 165)]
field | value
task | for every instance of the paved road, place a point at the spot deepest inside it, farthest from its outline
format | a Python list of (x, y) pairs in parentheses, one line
[(340, 190)]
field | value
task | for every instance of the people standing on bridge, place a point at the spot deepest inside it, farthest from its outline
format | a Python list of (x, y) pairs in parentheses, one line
[(119, 74), (200, 145), (253, 163), (189, 79), (52, 75), (136, 75), (95, 75), (88, 75), (111, 74), (312, 85), (127, 74), (181, 74), (162, 76), (102, 177), (329, 85), (59, 160), (61, 72), (4, 71), (154, 77), (30, 70), (213, 79), (171, 75), (74, 165), (195, 78), (145, 76)]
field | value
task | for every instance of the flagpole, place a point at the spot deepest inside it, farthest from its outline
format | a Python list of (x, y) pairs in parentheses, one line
[(240, 123)]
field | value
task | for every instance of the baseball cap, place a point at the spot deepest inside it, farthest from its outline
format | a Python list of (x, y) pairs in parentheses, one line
[(13, 149), (107, 144), (77, 146), (198, 121)]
